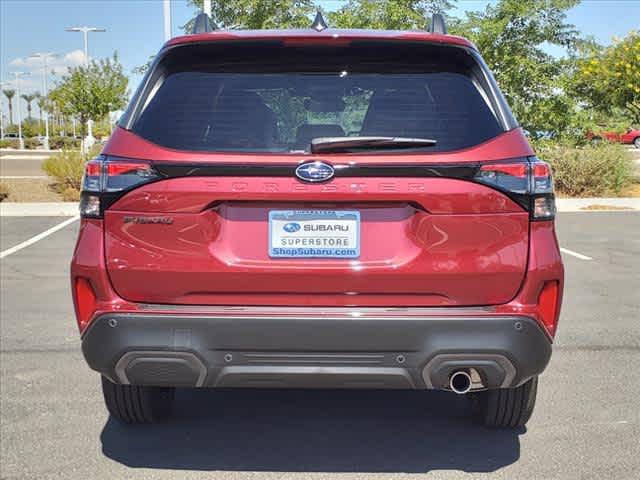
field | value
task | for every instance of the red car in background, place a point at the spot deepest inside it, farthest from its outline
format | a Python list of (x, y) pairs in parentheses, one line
[(630, 137)]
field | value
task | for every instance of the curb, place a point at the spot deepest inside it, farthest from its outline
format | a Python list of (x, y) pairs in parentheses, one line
[(42, 209), (597, 204), (27, 152)]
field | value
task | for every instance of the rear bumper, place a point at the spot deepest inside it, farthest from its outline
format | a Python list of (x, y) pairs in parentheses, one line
[(406, 349)]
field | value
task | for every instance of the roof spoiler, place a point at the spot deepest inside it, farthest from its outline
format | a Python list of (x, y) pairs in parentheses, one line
[(203, 24), (438, 24)]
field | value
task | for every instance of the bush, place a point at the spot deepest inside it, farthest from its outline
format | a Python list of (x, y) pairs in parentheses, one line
[(61, 143), (66, 168), (590, 171), (70, 194), (4, 191), (31, 143), (9, 143), (30, 128)]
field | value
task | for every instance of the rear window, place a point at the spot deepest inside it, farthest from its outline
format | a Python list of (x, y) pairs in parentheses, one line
[(274, 98)]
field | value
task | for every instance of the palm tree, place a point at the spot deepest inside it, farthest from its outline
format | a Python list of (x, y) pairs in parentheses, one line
[(29, 98), (9, 94), (38, 100)]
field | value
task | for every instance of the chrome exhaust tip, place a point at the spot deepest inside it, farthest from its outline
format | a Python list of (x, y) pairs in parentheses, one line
[(460, 382)]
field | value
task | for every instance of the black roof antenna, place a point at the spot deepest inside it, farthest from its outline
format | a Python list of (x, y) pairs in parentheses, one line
[(318, 23), (438, 25), (202, 24)]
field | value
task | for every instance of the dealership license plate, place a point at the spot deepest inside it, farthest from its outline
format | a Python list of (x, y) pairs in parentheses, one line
[(314, 233)]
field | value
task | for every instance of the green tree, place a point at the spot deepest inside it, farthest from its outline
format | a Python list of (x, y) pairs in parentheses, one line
[(608, 79), (91, 92), (512, 36), (9, 93), (259, 14), (388, 14), (30, 97), (30, 127)]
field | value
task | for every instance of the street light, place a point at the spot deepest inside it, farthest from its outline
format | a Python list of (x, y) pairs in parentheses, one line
[(18, 75), (166, 8), (44, 57), (85, 31), (89, 140)]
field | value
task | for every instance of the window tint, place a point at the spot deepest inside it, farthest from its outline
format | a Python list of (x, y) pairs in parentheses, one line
[(238, 106)]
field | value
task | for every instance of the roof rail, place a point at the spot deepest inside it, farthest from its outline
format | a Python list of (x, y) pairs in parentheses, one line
[(318, 23), (203, 24), (438, 24)]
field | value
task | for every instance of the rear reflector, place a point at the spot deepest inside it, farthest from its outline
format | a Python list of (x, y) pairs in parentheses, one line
[(548, 303), (85, 302)]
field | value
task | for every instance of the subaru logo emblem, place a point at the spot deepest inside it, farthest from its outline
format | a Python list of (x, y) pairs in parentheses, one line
[(315, 172), (291, 227)]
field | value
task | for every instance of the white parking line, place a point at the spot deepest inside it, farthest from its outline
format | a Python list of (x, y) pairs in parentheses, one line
[(575, 254), (38, 237)]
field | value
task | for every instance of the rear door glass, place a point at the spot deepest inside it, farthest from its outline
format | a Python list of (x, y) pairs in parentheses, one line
[(245, 105)]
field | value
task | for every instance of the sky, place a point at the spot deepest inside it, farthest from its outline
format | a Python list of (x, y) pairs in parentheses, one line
[(135, 31)]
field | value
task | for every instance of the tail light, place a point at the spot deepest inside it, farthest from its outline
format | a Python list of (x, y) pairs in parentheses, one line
[(85, 301), (107, 178), (548, 303), (527, 180)]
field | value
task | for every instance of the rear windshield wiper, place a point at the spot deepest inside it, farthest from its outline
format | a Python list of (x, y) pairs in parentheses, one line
[(354, 144)]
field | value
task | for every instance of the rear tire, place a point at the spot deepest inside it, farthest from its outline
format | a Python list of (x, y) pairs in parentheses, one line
[(136, 404), (636, 142), (506, 407)]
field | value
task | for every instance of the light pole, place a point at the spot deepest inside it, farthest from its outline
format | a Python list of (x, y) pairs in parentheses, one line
[(18, 75), (89, 140), (85, 31), (166, 7), (45, 93)]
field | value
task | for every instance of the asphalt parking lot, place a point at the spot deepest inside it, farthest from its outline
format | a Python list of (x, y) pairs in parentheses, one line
[(586, 425)]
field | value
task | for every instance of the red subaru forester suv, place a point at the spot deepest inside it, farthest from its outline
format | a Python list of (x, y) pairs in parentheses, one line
[(318, 209)]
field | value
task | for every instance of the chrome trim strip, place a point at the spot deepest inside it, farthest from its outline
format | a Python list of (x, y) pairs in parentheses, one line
[(315, 312)]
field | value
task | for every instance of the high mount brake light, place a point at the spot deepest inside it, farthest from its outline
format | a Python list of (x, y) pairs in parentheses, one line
[(528, 178), (106, 179)]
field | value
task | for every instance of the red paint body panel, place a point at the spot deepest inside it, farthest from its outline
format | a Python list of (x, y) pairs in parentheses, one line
[(511, 144), (426, 241), (435, 195), (331, 36), (429, 259), (544, 264)]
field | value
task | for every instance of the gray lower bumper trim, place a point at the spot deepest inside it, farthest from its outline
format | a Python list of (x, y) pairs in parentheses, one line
[(313, 352)]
